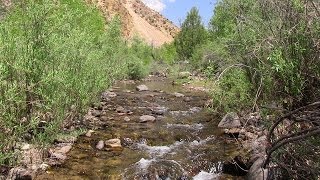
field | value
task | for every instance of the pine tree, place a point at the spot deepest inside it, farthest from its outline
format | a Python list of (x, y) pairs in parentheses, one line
[(192, 34)]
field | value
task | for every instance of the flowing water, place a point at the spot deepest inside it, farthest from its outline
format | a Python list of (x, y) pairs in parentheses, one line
[(183, 143)]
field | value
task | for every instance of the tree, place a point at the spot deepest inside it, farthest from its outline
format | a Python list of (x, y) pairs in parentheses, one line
[(191, 35)]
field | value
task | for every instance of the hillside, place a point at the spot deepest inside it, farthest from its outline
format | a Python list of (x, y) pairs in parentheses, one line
[(139, 20)]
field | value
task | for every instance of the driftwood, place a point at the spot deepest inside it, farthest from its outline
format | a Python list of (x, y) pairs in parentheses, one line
[(309, 126)]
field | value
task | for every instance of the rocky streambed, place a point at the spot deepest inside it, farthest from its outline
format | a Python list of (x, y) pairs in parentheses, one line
[(148, 130)]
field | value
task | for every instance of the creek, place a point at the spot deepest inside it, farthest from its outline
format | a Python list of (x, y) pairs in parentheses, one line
[(182, 143)]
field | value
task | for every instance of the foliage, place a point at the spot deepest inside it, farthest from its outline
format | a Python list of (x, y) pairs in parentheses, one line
[(191, 35), (232, 91), (166, 53), (55, 57)]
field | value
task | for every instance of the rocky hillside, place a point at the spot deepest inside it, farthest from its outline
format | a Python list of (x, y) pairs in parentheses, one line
[(139, 20)]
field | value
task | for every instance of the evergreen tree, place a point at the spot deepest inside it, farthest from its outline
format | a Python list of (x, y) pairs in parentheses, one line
[(192, 34)]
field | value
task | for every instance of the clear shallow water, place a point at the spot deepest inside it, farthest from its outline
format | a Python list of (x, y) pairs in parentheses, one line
[(181, 144)]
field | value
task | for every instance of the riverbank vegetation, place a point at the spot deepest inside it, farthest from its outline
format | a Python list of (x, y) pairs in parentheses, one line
[(264, 56), (55, 59)]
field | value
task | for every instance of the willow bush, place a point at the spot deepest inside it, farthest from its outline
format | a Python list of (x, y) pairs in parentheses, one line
[(55, 58)]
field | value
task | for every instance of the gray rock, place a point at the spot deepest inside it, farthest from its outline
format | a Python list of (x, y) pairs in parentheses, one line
[(64, 149), (113, 145), (19, 173), (230, 120), (127, 119), (159, 110), (195, 109), (107, 95), (256, 172), (96, 113), (58, 156), (147, 118), (100, 145), (120, 109), (183, 75), (142, 88), (178, 95)]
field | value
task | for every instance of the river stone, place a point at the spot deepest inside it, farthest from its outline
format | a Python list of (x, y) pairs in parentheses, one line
[(147, 118), (89, 133), (183, 75), (159, 110), (142, 88), (178, 95), (64, 149), (19, 173), (113, 145), (106, 95), (127, 119), (195, 109), (230, 120), (120, 109), (100, 145), (256, 172), (96, 113)]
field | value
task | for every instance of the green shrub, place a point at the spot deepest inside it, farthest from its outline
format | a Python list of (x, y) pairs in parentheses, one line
[(233, 91), (54, 55)]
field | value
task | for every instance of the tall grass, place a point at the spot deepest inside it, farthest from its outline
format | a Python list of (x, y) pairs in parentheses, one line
[(54, 55)]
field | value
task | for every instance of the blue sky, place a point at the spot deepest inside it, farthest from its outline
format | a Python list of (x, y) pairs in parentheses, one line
[(176, 10)]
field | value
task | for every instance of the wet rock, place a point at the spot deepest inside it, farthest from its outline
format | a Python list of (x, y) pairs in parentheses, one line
[(113, 145), (142, 88), (183, 75), (146, 118), (256, 172), (120, 109), (100, 145), (127, 119), (178, 95), (89, 133), (127, 141), (195, 109), (18, 173), (230, 120)]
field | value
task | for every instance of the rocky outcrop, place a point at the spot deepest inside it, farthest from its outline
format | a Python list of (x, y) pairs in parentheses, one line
[(138, 19)]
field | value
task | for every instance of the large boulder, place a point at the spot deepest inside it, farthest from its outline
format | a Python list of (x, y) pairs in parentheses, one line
[(142, 87), (230, 120), (256, 171)]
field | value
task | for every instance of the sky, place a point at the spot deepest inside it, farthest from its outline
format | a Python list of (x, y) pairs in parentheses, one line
[(176, 10)]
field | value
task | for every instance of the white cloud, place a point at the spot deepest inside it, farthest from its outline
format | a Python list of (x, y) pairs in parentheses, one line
[(172, 1), (157, 5)]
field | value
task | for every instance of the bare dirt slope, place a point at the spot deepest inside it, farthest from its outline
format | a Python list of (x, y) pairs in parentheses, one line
[(139, 20)]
